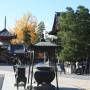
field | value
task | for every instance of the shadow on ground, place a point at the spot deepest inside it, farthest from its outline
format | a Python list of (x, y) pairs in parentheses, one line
[(47, 87), (67, 88)]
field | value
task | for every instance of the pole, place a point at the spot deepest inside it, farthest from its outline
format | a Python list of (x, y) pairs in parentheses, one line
[(56, 75), (5, 23), (32, 70), (29, 69), (44, 57)]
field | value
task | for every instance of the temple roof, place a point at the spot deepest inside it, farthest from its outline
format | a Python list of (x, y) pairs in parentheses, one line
[(43, 46), (55, 27), (5, 32)]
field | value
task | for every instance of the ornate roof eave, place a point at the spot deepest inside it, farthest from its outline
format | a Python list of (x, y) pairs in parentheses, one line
[(55, 28), (43, 46), (5, 34), (47, 44)]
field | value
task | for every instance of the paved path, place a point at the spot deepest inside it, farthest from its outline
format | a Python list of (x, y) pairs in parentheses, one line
[(66, 82), (1, 80), (82, 77), (73, 83), (9, 80)]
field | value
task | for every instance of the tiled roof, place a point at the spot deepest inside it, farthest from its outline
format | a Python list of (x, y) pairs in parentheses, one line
[(5, 32), (55, 27), (46, 44)]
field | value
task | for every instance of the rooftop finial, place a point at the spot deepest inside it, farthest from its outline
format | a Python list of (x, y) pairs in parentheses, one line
[(5, 22)]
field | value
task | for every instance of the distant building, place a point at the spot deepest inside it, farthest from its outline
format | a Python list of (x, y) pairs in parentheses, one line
[(18, 49), (55, 27), (6, 36)]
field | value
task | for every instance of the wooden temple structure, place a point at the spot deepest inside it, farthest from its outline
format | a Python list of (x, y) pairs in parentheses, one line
[(5, 38), (5, 35), (55, 27), (84, 63)]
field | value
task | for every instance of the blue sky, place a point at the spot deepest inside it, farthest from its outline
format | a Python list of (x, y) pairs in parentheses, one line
[(43, 10)]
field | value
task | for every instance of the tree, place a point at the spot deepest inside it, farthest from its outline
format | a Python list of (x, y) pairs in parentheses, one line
[(65, 35), (26, 36), (25, 29), (41, 28), (83, 33), (74, 33)]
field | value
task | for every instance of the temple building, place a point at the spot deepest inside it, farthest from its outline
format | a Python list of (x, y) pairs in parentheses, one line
[(55, 27), (6, 36)]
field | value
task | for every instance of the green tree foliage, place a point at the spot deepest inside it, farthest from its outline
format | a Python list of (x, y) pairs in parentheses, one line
[(74, 33), (26, 36), (41, 28)]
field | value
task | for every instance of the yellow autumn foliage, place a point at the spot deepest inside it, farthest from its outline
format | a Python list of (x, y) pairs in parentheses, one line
[(27, 21)]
